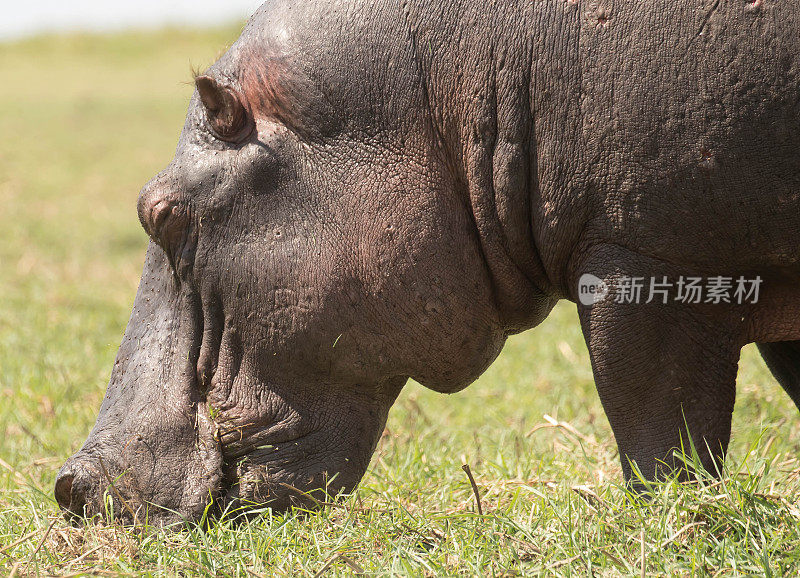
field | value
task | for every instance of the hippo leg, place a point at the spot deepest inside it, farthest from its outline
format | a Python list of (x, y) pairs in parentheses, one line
[(661, 369), (783, 360)]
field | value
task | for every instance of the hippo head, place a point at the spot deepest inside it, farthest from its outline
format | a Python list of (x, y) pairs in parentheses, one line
[(311, 249)]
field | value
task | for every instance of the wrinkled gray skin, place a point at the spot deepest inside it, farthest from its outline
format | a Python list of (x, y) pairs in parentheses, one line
[(411, 182)]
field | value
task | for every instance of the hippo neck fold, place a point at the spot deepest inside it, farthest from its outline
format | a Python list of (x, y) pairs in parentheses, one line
[(481, 94)]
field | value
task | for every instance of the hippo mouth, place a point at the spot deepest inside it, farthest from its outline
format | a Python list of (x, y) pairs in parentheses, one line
[(259, 451)]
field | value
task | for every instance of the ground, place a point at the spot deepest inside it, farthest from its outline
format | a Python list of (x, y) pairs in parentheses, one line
[(85, 122)]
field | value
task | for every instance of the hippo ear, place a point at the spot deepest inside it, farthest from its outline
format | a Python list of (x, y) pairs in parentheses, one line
[(226, 115)]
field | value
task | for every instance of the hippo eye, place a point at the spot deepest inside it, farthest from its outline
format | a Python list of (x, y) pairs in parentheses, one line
[(226, 115)]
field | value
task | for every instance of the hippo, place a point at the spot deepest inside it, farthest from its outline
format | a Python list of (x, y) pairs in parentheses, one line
[(371, 191)]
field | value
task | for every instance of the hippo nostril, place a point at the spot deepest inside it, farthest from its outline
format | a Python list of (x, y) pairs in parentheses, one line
[(64, 490), (159, 214), (71, 487)]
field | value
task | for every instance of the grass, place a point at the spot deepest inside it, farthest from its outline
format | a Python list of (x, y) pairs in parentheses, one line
[(85, 122)]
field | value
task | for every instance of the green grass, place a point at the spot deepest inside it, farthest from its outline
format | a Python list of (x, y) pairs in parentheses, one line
[(85, 122)]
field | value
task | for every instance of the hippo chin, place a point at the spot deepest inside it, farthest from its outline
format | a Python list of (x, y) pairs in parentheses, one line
[(370, 191)]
